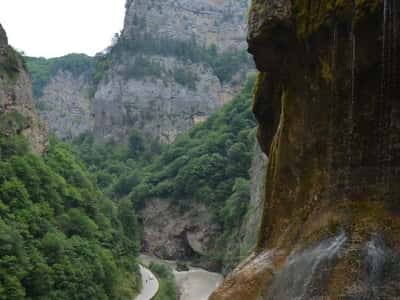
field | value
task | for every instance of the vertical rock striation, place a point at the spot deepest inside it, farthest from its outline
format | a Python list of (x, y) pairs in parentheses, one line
[(166, 71), (17, 110), (327, 101), (66, 105), (175, 63)]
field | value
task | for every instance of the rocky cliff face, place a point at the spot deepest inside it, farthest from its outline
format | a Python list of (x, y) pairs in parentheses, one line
[(159, 107), (252, 220), (165, 73), (327, 100), (177, 233), (243, 238), (174, 64), (188, 233), (65, 104), (17, 111), (210, 22)]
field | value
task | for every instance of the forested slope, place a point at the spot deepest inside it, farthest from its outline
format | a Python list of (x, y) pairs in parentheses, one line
[(60, 237), (209, 164)]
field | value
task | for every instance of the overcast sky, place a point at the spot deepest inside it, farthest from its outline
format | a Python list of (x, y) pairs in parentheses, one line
[(53, 28)]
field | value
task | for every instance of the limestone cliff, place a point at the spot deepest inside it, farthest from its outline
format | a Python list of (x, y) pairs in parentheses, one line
[(252, 220), (65, 104), (190, 233), (174, 63), (171, 67), (17, 110), (327, 100), (177, 233)]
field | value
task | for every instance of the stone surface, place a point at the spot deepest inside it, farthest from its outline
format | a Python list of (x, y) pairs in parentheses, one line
[(327, 102), (252, 220), (66, 105), (210, 22), (171, 232), (16, 96), (159, 105), (161, 108)]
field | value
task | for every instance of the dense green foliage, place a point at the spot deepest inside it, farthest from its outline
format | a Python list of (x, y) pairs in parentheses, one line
[(11, 64), (205, 162), (60, 237), (42, 69), (117, 168), (224, 65), (210, 163), (166, 279)]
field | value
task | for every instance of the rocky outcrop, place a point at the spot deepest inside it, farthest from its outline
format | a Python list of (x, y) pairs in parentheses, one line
[(17, 110), (163, 75), (210, 22), (327, 100), (243, 238), (252, 220), (188, 230), (175, 63), (159, 107), (65, 104), (173, 232)]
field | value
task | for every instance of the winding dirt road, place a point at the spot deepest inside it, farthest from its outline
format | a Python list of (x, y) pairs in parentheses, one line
[(150, 284)]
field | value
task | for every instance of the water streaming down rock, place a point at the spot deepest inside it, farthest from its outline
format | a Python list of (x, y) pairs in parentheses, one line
[(389, 88), (377, 254), (349, 139), (332, 122), (379, 272), (296, 279)]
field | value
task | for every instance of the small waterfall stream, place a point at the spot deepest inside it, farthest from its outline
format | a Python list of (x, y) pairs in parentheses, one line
[(349, 139), (331, 125), (377, 255), (389, 88), (296, 279)]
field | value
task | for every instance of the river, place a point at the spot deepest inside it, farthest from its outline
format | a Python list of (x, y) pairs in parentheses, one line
[(194, 284)]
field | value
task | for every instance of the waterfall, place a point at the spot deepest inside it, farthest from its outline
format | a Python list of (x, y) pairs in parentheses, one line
[(349, 138), (377, 258), (332, 178), (377, 255), (296, 278)]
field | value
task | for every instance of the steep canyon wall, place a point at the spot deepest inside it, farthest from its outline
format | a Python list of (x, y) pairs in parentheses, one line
[(327, 100)]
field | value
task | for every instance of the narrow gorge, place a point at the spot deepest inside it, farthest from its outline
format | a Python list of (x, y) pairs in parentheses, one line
[(216, 149), (173, 65)]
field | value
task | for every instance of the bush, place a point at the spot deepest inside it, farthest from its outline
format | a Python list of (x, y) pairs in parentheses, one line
[(59, 237), (166, 278), (210, 164)]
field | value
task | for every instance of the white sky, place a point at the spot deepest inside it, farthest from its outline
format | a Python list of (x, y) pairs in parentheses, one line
[(53, 28)]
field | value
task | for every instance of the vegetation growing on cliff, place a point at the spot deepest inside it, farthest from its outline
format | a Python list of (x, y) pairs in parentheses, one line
[(60, 237), (11, 64), (210, 163), (42, 69), (225, 65)]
